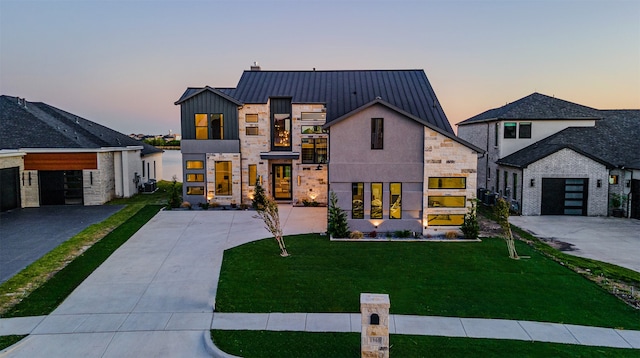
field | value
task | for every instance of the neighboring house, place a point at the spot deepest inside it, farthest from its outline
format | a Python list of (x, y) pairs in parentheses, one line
[(52, 157), (553, 157), (379, 139)]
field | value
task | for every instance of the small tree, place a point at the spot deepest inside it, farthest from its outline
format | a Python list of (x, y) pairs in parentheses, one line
[(470, 228), (175, 198), (268, 212), (502, 214), (337, 223), (259, 197)]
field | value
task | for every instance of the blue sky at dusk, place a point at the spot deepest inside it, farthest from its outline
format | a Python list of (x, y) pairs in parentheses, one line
[(124, 63)]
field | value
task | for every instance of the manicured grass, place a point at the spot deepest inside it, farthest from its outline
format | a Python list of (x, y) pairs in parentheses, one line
[(421, 278), (305, 344), (49, 295), (7, 341)]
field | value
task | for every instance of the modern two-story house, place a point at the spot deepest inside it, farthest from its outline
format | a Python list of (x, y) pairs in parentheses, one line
[(554, 157), (379, 139)]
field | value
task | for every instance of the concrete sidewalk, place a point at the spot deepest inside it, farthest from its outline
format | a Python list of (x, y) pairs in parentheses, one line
[(154, 297)]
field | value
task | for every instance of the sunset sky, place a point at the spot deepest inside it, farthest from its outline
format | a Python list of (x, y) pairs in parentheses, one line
[(124, 63)]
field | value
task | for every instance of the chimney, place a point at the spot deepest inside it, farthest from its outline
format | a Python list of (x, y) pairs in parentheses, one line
[(255, 66)]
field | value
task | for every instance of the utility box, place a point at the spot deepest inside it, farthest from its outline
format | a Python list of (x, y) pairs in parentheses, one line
[(374, 310)]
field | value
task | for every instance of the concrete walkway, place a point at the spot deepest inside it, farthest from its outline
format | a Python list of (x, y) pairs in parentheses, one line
[(154, 297)]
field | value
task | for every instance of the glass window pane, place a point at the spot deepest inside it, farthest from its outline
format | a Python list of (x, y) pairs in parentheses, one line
[(253, 174), (573, 211), (251, 130), (202, 131), (313, 116), (195, 164), (307, 150), (447, 201), (223, 178), (376, 200), (447, 183), (573, 188), (573, 203), (321, 150), (395, 201), (510, 130), (524, 130), (281, 130), (195, 190), (573, 195), (357, 200), (445, 219), (377, 133), (195, 177), (312, 129), (574, 181), (217, 126), (251, 118)]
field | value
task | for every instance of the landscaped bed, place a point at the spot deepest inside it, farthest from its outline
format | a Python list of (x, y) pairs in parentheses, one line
[(421, 278)]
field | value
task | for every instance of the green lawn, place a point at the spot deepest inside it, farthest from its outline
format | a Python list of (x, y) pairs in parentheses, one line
[(337, 345), (422, 278)]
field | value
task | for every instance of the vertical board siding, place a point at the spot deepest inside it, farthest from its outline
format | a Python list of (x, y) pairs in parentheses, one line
[(208, 102)]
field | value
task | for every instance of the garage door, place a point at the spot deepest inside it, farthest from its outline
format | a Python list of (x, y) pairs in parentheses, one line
[(564, 196), (635, 198), (62, 187), (9, 189)]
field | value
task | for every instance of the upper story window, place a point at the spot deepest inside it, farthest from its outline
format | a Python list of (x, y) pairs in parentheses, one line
[(496, 134), (202, 126), (202, 121), (194, 164), (217, 126), (377, 133), (314, 150), (281, 131), (312, 129), (524, 130), (313, 116), (251, 130), (251, 118), (510, 129)]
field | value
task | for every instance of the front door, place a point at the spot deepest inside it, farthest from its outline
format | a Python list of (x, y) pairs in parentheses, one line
[(281, 181)]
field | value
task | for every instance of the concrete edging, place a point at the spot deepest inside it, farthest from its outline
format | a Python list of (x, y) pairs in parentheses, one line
[(212, 349)]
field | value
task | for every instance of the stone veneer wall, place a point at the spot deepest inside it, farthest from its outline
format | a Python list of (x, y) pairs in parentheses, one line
[(103, 188), (12, 161), (444, 157), (251, 146), (313, 183), (566, 163), (236, 188)]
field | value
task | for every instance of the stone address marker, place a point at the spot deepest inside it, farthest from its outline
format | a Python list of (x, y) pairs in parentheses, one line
[(374, 310)]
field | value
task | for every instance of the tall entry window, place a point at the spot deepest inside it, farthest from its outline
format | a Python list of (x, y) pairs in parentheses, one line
[(281, 131), (357, 200), (395, 200), (223, 178), (282, 181)]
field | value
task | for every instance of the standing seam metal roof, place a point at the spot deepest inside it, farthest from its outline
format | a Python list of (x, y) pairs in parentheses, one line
[(342, 91)]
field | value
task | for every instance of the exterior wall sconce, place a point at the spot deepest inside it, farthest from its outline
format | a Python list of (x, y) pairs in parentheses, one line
[(260, 179), (319, 167), (628, 183), (299, 180), (599, 183), (532, 183)]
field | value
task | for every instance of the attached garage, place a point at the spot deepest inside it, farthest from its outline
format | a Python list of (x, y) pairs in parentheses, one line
[(61, 187), (565, 196), (9, 188)]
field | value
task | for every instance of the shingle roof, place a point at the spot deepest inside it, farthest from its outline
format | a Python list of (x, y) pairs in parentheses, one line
[(613, 142), (39, 125), (536, 106), (342, 91)]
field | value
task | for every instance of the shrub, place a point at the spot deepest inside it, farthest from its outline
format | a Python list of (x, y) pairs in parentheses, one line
[(373, 234), (337, 225), (259, 197), (313, 203), (244, 206), (174, 194), (470, 228), (204, 206), (186, 204), (451, 235), (402, 233), (356, 235)]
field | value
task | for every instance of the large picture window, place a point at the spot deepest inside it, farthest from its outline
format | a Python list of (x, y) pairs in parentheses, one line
[(445, 219), (307, 129), (194, 164), (376, 200), (281, 131), (377, 133), (395, 200), (202, 126), (223, 178), (313, 116), (314, 150), (447, 183), (510, 129), (357, 200), (447, 201)]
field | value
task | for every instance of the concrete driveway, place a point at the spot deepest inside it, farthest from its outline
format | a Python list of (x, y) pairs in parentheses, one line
[(607, 239)]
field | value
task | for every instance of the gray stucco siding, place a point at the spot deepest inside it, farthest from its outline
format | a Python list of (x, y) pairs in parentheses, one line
[(195, 146)]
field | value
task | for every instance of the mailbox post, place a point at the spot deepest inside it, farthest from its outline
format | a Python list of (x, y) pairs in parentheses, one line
[(374, 310)]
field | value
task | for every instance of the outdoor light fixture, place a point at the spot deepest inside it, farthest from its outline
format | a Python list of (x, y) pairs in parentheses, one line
[(319, 167), (628, 183), (533, 183), (299, 180), (599, 183)]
